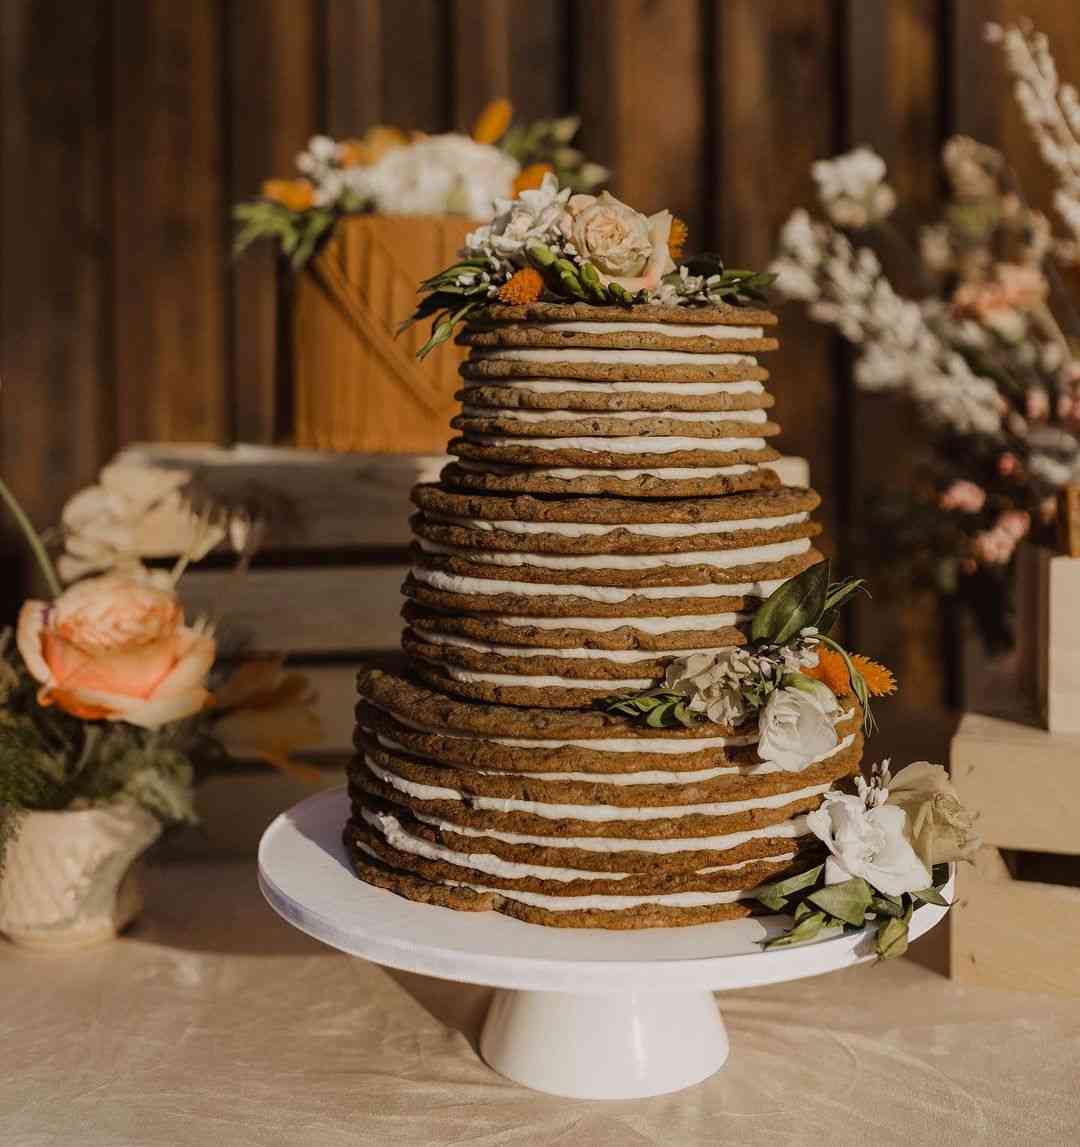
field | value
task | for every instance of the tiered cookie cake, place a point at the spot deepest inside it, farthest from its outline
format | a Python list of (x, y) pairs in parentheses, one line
[(611, 509)]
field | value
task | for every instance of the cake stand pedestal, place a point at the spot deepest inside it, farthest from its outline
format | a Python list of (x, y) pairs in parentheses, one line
[(585, 1013)]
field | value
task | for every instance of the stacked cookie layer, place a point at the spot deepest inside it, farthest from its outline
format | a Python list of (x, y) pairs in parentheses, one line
[(611, 508)]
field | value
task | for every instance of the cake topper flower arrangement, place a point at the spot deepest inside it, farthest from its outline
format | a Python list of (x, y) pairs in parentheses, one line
[(109, 697), (390, 171), (559, 245), (885, 839), (985, 347)]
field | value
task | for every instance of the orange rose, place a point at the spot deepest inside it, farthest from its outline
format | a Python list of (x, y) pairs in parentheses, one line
[(116, 648), (295, 194)]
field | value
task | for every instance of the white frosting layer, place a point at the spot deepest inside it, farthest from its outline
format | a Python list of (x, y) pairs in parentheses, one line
[(512, 414), (640, 529), (589, 386), (681, 746), (616, 656), (691, 623), (721, 559), (545, 681), (601, 812), (396, 836), (637, 356), (674, 330), (785, 830), (609, 595), (661, 444), (568, 473)]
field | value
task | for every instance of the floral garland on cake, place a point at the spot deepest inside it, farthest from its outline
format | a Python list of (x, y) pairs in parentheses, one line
[(890, 839), (560, 245), (392, 172)]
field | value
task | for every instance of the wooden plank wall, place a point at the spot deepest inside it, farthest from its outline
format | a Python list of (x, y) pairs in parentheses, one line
[(129, 127)]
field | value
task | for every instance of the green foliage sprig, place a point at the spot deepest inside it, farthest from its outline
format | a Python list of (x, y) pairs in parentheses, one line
[(298, 232), (817, 908)]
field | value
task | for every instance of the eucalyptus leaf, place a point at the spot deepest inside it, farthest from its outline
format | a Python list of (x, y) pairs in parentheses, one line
[(892, 938), (847, 901), (791, 884), (809, 928), (792, 607), (931, 896), (884, 905)]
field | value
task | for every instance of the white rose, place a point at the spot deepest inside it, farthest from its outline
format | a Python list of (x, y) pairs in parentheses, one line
[(798, 724), (867, 842), (937, 824), (623, 245)]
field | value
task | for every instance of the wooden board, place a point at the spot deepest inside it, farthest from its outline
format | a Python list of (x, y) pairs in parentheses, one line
[(1013, 934), (1023, 781), (321, 610)]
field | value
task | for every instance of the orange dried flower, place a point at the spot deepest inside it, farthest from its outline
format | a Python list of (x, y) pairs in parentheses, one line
[(879, 679), (376, 142), (831, 670), (524, 286), (677, 238), (530, 178), (492, 122), (295, 194)]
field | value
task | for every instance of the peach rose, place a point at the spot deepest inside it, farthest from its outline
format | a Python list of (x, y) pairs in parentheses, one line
[(116, 648), (623, 245)]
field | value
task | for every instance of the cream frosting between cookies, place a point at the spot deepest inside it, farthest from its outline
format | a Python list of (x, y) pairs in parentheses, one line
[(608, 595), (721, 559), (615, 656), (630, 357), (661, 444), (670, 330), (570, 473), (689, 623), (593, 386), (514, 414), (785, 830), (642, 529), (603, 812)]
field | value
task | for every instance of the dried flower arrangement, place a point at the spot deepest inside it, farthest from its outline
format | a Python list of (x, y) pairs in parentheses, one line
[(988, 355), (109, 698), (389, 171)]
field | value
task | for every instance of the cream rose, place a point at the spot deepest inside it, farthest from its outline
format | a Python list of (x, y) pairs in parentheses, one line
[(623, 245), (939, 827), (798, 724), (711, 685), (116, 648)]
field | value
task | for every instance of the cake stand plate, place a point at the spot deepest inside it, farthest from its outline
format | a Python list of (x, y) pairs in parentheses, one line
[(585, 1013)]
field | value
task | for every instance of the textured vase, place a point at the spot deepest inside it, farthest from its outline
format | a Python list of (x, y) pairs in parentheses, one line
[(69, 877)]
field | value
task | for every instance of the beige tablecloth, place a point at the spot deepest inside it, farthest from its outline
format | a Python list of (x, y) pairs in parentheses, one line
[(216, 1025)]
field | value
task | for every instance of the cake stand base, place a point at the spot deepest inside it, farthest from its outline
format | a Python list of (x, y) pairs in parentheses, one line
[(624, 1046), (580, 1012)]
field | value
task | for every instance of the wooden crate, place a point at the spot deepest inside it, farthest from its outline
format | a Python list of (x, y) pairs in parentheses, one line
[(357, 386), (1008, 930)]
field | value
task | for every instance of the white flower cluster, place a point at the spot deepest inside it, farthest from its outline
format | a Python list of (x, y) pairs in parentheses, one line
[(538, 216), (796, 715), (853, 190), (1050, 108), (899, 348), (431, 175), (688, 290)]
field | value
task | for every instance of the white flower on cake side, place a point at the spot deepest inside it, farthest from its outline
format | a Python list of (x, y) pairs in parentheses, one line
[(625, 246)]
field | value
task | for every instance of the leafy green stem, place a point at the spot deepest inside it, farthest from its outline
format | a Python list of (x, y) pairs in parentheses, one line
[(33, 540)]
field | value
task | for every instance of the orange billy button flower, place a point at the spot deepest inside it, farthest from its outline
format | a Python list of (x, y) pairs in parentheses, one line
[(295, 194), (492, 122), (530, 178), (677, 238), (833, 672), (524, 286)]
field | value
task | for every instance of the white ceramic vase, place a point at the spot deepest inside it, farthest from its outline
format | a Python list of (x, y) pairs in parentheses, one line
[(69, 877)]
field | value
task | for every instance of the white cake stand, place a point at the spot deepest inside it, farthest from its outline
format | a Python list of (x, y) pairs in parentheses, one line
[(586, 1013)]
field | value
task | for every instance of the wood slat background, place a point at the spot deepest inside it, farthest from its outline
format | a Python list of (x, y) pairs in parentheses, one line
[(128, 127)]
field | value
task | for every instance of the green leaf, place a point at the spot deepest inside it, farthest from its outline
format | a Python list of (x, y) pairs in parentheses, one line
[(809, 928), (892, 938), (931, 896), (792, 607), (887, 905), (838, 595), (847, 901), (777, 892)]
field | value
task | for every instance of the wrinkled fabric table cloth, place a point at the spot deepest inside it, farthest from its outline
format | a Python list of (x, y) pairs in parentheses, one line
[(215, 1023)]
